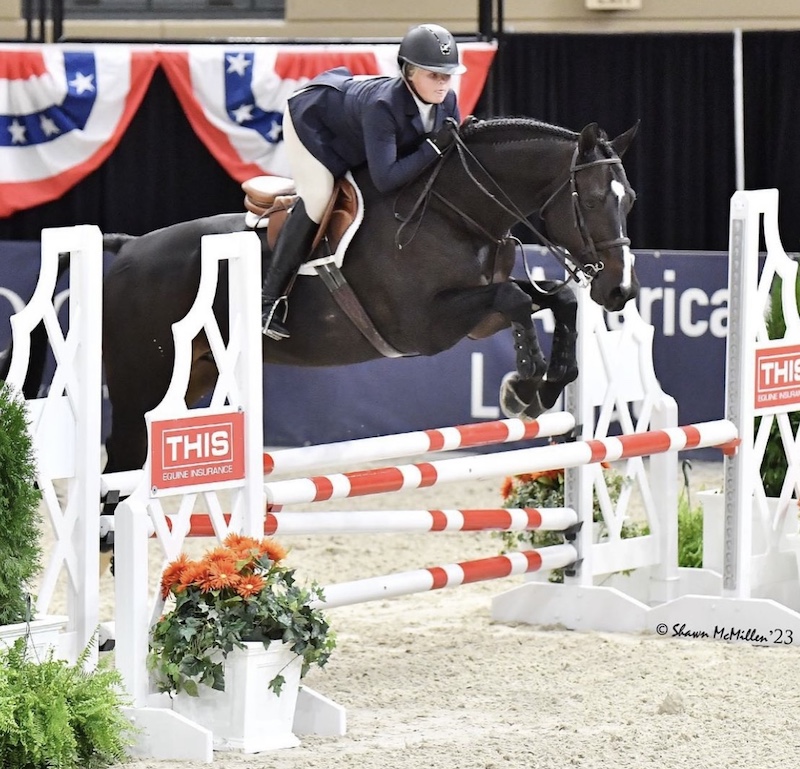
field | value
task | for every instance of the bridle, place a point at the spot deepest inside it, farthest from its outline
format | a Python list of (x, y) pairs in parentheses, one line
[(582, 272), (589, 246)]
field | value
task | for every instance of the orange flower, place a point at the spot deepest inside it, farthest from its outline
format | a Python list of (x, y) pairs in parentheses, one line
[(193, 574), (249, 585), (554, 474), (220, 574), (218, 555), (221, 559), (507, 487), (172, 574), (271, 548), (240, 543)]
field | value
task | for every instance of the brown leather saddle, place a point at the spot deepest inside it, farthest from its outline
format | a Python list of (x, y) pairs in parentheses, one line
[(273, 196)]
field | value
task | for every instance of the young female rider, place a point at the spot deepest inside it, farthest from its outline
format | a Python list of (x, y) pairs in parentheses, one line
[(397, 125)]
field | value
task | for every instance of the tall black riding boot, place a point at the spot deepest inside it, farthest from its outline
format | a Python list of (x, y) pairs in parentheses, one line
[(291, 250)]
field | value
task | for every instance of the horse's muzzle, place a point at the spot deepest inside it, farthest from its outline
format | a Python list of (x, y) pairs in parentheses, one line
[(615, 298)]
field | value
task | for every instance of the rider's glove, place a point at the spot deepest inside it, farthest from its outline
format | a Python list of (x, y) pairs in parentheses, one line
[(445, 136)]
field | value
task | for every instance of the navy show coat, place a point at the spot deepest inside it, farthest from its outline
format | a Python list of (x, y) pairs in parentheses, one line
[(345, 121)]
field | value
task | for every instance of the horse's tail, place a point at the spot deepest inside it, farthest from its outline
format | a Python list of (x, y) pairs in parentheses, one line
[(38, 350), (114, 241)]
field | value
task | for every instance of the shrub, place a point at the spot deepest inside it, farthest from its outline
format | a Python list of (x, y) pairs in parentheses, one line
[(53, 714), (20, 549)]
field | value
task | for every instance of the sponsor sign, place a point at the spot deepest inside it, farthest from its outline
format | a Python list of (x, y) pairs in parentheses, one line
[(196, 451), (778, 378)]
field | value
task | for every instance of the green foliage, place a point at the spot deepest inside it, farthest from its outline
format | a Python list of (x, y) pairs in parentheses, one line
[(546, 489), (690, 534), (20, 550), (773, 465), (236, 593), (53, 714)]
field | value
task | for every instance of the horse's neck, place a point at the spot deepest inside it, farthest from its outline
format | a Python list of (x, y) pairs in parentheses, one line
[(518, 177)]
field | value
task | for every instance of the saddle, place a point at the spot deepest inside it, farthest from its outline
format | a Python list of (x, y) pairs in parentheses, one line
[(271, 197), (268, 200)]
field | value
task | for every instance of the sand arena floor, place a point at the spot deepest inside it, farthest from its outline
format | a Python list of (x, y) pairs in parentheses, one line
[(428, 680)]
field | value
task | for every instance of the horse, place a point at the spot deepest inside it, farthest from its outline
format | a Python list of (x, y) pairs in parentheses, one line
[(430, 264)]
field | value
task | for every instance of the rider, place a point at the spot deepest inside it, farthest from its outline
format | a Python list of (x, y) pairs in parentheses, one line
[(397, 125)]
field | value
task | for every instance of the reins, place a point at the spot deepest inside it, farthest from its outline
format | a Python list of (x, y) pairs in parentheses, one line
[(580, 273)]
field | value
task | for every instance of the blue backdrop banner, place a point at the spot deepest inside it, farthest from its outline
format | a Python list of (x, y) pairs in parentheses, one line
[(684, 295)]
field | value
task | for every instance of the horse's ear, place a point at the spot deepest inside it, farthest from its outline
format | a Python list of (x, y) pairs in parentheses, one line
[(623, 141), (587, 141)]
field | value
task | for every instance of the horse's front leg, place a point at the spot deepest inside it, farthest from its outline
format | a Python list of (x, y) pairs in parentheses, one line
[(480, 312), (521, 397), (562, 367), (516, 306)]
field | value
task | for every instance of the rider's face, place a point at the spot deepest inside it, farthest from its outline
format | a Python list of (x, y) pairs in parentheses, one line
[(432, 87)]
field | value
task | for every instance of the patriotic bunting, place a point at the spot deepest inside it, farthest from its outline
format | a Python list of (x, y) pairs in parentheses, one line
[(63, 109)]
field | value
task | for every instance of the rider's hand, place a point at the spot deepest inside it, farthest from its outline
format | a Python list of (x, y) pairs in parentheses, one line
[(445, 136)]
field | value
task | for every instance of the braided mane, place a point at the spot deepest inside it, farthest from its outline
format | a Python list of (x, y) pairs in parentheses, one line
[(514, 129)]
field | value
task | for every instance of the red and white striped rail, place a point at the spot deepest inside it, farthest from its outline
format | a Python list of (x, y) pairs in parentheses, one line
[(562, 455), (437, 577), (305, 458), (390, 521)]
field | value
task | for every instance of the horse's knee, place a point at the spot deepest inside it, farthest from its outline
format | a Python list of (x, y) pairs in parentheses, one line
[(510, 300)]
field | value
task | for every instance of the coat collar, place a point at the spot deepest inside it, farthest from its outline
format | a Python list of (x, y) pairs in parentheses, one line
[(412, 110)]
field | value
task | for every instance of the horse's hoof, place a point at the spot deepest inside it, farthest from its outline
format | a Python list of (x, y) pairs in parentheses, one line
[(513, 405)]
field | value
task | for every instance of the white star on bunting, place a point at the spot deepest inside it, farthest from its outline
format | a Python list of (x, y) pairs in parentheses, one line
[(17, 131), (238, 63), (49, 128), (82, 83), (243, 114)]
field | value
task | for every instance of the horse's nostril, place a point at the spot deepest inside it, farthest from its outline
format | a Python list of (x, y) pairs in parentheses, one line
[(620, 296)]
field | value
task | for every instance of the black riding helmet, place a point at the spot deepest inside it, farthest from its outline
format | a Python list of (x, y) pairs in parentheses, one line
[(430, 47)]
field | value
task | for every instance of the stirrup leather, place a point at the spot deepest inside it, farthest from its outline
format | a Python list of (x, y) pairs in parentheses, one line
[(266, 330)]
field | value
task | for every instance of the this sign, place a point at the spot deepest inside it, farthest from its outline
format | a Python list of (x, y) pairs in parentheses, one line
[(197, 450), (778, 378)]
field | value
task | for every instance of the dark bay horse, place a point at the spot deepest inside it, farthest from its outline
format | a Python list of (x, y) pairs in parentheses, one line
[(430, 266)]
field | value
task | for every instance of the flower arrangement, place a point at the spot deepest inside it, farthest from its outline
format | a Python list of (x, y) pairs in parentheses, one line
[(240, 591), (546, 489)]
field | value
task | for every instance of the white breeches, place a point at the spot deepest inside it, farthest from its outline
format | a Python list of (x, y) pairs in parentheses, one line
[(313, 181)]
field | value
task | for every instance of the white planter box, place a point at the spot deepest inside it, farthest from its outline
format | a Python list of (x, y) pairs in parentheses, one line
[(248, 716), (44, 634), (713, 503)]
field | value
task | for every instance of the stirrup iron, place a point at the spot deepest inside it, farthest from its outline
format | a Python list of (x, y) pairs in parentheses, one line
[(266, 330)]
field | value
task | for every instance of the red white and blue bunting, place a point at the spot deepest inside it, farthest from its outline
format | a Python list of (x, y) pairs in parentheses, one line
[(64, 108)]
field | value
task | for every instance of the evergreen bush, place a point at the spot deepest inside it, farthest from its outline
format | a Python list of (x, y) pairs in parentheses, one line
[(20, 548)]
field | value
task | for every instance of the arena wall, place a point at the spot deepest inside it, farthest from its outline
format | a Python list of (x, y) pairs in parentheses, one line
[(370, 20)]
